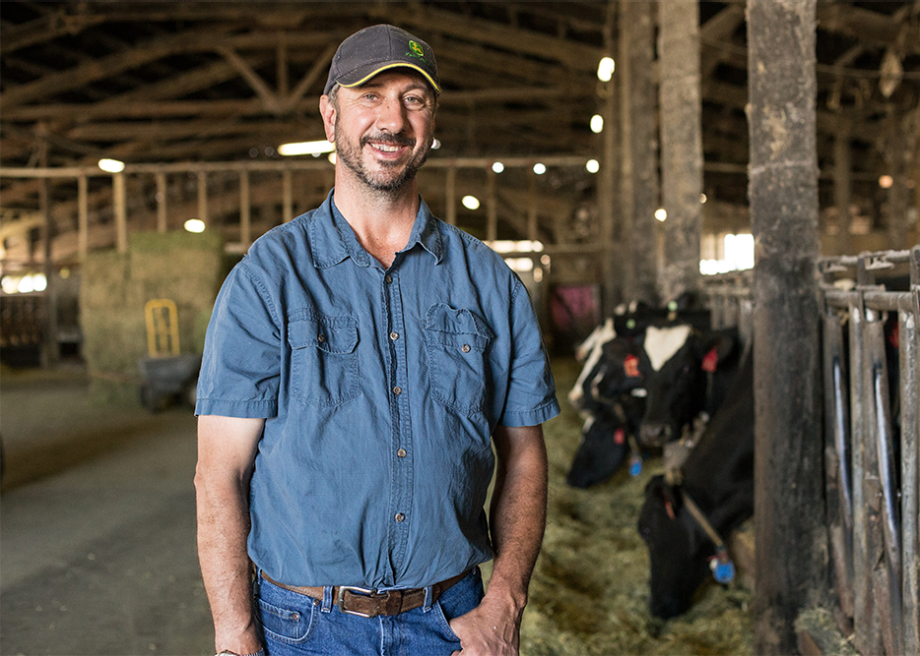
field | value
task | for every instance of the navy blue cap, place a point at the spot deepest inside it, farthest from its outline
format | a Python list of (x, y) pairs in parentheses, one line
[(379, 48)]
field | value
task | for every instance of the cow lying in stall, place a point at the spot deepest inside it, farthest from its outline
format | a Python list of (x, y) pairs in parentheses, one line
[(685, 521), (660, 366), (613, 412), (610, 395)]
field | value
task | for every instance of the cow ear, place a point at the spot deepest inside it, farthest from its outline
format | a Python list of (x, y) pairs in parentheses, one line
[(718, 345)]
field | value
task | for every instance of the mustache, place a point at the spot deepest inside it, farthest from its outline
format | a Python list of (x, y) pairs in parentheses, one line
[(392, 139)]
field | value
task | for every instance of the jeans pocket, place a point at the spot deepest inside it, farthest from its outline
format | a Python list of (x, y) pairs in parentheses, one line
[(324, 362), (289, 625), (459, 600), (458, 352)]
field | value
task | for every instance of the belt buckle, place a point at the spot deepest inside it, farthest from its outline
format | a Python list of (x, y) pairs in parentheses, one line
[(340, 598)]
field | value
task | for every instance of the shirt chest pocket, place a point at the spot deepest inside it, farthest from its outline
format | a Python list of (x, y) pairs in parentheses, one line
[(324, 362), (458, 358)]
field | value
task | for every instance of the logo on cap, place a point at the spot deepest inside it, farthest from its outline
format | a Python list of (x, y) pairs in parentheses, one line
[(417, 51)]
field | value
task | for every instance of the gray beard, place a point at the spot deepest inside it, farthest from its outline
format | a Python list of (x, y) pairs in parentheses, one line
[(390, 184)]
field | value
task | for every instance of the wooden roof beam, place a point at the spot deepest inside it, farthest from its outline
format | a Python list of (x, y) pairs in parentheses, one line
[(110, 65), (427, 20)]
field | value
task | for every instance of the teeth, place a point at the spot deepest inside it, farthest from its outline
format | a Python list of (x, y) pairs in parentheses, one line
[(385, 148)]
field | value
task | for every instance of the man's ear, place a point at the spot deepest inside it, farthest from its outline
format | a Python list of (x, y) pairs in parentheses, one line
[(327, 112)]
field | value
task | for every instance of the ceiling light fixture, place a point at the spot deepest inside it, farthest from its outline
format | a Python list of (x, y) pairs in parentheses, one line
[(306, 148)]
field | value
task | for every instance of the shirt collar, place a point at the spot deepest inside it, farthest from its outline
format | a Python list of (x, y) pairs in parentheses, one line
[(332, 238)]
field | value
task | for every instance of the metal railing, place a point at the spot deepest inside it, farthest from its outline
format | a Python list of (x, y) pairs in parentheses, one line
[(871, 442)]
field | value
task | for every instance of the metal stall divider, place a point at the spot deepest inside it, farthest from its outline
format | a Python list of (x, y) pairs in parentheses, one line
[(909, 360), (875, 549)]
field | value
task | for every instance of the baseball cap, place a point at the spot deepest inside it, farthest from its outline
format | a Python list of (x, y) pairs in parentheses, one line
[(378, 48)]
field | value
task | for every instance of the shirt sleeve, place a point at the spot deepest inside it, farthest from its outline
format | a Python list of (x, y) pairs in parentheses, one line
[(240, 368), (531, 391)]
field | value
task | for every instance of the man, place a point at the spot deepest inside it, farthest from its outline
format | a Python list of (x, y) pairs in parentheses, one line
[(360, 363)]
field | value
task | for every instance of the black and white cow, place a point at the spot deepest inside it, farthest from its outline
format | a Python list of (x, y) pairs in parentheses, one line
[(610, 395), (686, 371), (718, 476), (608, 441)]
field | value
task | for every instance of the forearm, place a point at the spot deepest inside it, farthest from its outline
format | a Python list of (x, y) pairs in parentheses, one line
[(226, 450), (225, 567), (518, 515)]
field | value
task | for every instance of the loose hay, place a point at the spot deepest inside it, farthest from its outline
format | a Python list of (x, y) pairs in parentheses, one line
[(589, 594)]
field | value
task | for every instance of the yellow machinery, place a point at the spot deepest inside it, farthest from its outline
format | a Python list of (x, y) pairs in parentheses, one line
[(168, 374)]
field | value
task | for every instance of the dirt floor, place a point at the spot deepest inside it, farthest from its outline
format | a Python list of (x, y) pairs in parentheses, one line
[(97, 540)]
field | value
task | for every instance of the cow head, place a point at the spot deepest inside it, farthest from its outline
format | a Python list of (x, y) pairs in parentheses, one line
[(678, 550), (593, 350), (677, 361), (619, 372), (603, 450)]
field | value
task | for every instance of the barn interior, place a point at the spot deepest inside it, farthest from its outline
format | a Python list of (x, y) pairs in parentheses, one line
[(142, 150)]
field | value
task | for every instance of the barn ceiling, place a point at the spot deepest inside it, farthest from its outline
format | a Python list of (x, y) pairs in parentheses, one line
[(220, 81)]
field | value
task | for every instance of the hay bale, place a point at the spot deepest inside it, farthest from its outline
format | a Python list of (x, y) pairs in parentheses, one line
[(183, 267), (819, 634)]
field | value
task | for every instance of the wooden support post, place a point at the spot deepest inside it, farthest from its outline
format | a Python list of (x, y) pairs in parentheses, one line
[(611, 285), (82, 218), (287, 193), (898, 194), (491, 207), (121, 212), (49, 353), (533, 233), (161, 202), (245, 211), (791, 538), (681, 146), (450, 196), (622, 80), (843, 167), (203, 196), (639, 23)]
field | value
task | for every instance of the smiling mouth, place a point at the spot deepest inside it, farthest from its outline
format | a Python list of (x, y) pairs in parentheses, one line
[(386, 148)]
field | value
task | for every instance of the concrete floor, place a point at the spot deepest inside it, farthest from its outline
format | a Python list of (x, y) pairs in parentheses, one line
[(97, 524)]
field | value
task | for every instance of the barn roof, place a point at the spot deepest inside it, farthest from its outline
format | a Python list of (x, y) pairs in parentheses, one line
[(219, 81)]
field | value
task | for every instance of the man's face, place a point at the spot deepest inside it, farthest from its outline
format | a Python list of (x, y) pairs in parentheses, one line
[(383, 129)]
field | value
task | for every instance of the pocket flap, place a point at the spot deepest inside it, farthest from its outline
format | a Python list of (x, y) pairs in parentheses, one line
[(443, 318), (336, 335)]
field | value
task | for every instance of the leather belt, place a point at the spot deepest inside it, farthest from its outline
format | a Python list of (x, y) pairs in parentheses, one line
[(371, 603)]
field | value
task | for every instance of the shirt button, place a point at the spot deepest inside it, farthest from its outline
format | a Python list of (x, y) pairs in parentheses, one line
[(388, 279), (400, 517), (397, 390), (401, 453), (465, 348), (321, 338), (394, 336)]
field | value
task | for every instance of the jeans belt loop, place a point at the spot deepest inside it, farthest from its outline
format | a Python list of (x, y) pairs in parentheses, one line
[(328, 598)]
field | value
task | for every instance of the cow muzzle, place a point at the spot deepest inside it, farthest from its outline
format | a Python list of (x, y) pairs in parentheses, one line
[(654, 434)]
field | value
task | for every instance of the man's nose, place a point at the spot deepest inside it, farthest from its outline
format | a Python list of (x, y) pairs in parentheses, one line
[(391, 116)]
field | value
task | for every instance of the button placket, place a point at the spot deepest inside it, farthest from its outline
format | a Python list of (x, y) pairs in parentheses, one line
[(401, 435)]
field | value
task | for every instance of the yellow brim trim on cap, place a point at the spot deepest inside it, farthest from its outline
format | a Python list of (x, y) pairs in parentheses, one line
[(395, 65)]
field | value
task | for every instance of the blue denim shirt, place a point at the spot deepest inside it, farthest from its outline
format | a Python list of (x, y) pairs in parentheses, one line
[(381, 389)]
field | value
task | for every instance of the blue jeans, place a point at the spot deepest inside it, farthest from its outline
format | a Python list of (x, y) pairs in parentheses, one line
[(296, 625)]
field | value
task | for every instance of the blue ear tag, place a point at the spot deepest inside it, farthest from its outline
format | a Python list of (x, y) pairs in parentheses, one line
[(723, 569), (635, 465)]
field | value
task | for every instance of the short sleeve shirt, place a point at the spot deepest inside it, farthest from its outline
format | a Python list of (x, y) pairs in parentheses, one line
[(380, 388)]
